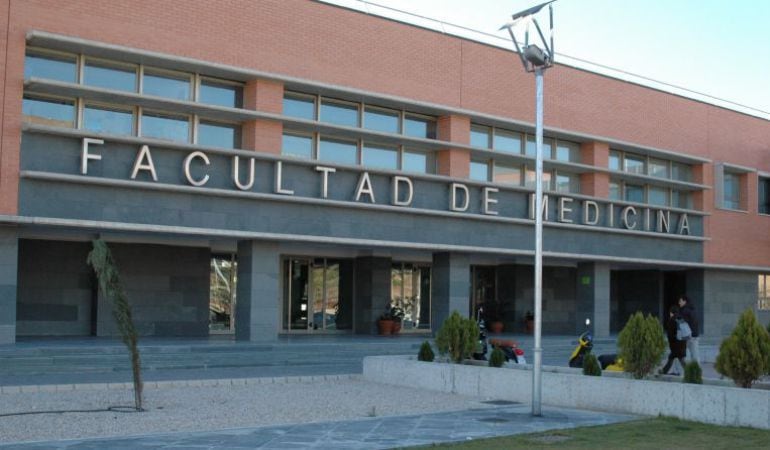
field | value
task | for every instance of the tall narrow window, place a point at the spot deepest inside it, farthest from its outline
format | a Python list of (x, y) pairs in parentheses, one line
[(616, 192), (764, 195), (614, 161), (732, 190)]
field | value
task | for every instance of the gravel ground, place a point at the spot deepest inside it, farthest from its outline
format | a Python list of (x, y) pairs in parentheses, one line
[(212, 408)]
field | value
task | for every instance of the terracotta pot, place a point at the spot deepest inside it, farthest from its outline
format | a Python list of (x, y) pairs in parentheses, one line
[(530, 326), (496, 327), (396, 326), (385, 327)]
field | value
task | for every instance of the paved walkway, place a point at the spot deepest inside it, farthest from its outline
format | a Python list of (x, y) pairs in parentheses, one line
[(374, 433)]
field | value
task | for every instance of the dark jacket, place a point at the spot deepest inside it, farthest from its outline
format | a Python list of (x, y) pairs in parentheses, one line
[(688, 314), (678, 348)]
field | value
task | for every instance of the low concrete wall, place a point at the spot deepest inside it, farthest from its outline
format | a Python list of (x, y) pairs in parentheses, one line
[(709, 404)]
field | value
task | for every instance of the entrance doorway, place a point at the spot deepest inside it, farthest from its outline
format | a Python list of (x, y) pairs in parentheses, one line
[(317, 294), (222, 280)]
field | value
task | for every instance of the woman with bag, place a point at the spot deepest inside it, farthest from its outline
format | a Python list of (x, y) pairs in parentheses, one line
[(677, 348)]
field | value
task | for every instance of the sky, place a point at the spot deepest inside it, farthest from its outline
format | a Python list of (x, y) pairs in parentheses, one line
[(716, 47)]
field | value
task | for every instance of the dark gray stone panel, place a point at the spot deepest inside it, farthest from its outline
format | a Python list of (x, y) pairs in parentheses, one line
[(451, 287)]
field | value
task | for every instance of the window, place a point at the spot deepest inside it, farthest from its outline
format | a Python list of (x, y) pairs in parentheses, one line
[(530, 148), (763, 292), (48, 111), (480, 136), (681, 199), (657, 196), (162, 84), (380, 156), (658, 168), (681, 172), (297, 145), (530, 178), (567, 183), (732, 191), (168, 127), (338, 151), (507, 141), (567, 151), (410, 292), (764, 195), (633, 164), (614, 161), (220, 93), (379, 119), (414, 161), (419, 127), (339, 113), (507, 174), (616, 192), (299, 106), (108, 119), (217, 134), (51, 66), (479, 171), (109, 75), (634, 193)]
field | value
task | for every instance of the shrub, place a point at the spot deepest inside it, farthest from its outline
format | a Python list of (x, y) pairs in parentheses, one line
[(591, 365), (693, 373), (641, 344), (426, 352), (457, 336), (496, 358), (745, 355)]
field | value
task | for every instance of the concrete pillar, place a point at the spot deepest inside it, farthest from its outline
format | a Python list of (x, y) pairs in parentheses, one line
[(593, 298), (259, 134), (454, 162), (451, 287), (594, 183), (695, 282), (258, 293), (9, 260), (372, 292)]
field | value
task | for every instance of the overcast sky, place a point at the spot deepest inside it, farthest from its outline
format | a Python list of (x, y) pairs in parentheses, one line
[(717, 47)]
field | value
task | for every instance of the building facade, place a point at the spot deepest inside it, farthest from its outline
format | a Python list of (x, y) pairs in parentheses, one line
[(271, 167)]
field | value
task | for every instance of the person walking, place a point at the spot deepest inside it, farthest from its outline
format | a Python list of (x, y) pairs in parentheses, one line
[(677, 348), (687, 312)]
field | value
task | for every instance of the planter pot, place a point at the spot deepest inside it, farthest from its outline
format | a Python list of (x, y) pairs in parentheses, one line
[(396, 326), (385, 327), (496, 327), (530, 324)]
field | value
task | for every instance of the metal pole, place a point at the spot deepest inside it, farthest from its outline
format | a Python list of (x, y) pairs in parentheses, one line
[(537, 375)]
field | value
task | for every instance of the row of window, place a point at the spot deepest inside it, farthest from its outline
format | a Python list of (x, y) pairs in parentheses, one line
[(356, 152), (375, 118), (653, 195), (523, 144), (646, 165), (120, 76), (129, 121), (524, 175)]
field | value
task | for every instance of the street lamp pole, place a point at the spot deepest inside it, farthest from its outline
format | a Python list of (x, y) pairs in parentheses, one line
[(536, 60)]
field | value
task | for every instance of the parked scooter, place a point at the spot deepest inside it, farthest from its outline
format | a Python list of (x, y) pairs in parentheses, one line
[(510, 348), (481, 346), (585, 345)]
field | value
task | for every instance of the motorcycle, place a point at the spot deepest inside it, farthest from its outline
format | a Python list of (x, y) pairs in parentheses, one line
[(510, 348), (585, 345)]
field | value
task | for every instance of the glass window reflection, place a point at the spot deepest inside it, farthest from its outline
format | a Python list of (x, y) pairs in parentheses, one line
[(52, 67), (414, 162), (507, 174), (45, 111), (109, 76), (634, 193), (419, 127), (103, 119), (338, 151), (480, 136), (339, 113), (381, 157), (165, 126), (381, 120), (300, 107), (216, 134), (297, 145), (479, 171), (166, 85), (507, 141), (657, 196), (220, 94)]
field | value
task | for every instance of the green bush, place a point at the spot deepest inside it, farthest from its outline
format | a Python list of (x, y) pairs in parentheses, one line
[(693, 373), (426, 352), (641, 344), (457, 336), (591, 365), (496, 358), (745, 355)]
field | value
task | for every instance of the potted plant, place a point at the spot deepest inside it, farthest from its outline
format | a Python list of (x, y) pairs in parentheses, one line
[(529, 322), (493, 317), (390, 320)]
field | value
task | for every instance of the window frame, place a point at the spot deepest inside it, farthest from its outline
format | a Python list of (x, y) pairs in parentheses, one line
[(83, 104), (358, 106), (167, 73), (239, 132), (56, 53), (108, 62), (190, 124), (76, 120), (200, 79), (399, 117)]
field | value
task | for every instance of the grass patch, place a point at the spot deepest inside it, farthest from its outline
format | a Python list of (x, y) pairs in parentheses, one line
[(658, 433)]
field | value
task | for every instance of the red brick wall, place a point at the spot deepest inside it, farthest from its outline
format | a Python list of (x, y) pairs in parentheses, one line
[(319, 42)]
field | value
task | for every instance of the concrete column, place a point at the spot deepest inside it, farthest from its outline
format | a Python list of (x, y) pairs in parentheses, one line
[(372, 292), (451, 287), (454, 162), (9, 260), (259, 134), (593, 298), (696, 291), (258, 293)]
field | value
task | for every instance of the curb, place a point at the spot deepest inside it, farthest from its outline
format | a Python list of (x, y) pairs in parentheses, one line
[(47, 388)]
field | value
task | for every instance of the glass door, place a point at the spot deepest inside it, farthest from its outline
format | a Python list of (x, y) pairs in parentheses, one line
[(317, 294), (222, 283)]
